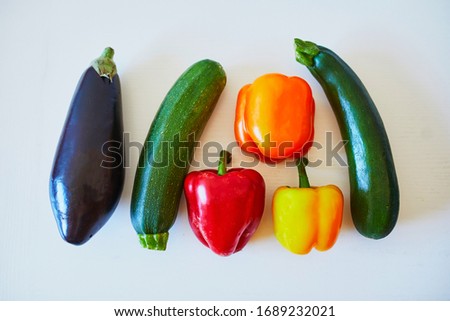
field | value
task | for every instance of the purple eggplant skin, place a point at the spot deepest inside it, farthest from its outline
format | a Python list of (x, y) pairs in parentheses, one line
[(87, 177)]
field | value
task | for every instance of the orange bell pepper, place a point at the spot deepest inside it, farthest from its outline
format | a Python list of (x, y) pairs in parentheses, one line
[(275, 117), (307, 217)]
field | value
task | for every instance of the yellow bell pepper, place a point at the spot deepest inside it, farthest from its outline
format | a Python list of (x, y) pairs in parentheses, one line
[(307, 217)]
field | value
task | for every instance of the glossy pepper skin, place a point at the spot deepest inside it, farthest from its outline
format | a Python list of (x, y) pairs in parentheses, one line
[(224, 207), (87, 177), (307, 217), (275, 117)]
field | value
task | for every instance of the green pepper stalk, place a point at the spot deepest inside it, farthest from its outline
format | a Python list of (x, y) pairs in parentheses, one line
[(225, 158), (302, 176)]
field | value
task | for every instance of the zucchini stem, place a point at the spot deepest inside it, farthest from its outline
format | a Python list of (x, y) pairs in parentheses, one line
[(305, 51), (154, 241)]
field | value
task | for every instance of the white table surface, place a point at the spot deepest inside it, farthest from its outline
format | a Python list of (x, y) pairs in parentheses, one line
[(401, 51)]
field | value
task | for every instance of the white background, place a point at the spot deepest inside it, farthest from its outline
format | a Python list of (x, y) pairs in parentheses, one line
[(400, 49)]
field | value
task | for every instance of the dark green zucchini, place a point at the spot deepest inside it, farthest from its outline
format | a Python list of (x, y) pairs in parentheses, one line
[(168, 151), (374, 191)]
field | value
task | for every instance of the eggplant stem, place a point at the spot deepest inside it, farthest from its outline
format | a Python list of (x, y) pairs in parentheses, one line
[(104, 65)]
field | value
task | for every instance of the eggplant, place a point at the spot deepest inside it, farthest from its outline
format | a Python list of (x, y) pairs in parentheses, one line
[(87, 177)]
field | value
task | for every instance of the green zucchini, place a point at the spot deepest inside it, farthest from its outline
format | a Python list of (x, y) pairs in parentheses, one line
[(374, 191), (168, 150)]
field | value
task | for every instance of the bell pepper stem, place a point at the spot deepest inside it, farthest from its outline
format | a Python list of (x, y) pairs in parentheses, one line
[(225, 158), (302, 176)]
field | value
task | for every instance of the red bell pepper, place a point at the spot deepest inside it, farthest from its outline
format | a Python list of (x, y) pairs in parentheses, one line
[(224, 207)]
